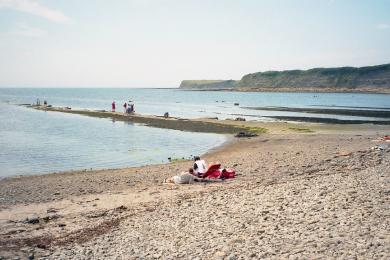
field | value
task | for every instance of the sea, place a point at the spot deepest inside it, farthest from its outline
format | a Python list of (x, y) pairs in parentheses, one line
[(38, 142)]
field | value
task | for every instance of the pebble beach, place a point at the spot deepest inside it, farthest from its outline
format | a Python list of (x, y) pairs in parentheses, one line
[(296, 196)]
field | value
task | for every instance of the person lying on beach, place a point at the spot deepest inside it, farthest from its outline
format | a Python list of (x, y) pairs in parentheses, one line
[(184, 178), (200, 166)]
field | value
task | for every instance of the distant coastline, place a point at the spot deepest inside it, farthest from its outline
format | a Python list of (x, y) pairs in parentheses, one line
[(370, 79)]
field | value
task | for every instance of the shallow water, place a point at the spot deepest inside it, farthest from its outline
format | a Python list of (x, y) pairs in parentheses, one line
[(195, 104), (38, 142), (34, 142)]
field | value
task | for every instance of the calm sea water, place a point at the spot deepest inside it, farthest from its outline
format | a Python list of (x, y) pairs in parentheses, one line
[(39, 142), (34, 142), (195, 104)]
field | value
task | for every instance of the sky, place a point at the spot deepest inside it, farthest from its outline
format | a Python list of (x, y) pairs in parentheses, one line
[(158, 43)]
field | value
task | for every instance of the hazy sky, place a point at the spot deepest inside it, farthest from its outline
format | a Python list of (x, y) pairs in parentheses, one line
[(157, 43)]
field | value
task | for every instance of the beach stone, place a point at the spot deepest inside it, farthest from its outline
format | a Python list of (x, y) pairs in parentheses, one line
[(220, 254), (32, 220), (245, 134)]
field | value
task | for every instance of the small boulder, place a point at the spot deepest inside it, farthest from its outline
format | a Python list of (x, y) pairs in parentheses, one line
[(32, 220), (245, 134)]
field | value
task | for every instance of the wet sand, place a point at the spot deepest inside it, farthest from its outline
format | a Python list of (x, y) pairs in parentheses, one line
[(301, 192)]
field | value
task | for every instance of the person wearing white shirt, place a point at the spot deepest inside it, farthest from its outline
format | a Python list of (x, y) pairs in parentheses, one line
[(200, 166)]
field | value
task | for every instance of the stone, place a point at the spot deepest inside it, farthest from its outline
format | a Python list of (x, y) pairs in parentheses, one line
[(231, 257), (32, 220), (245, 134), (220, 254)]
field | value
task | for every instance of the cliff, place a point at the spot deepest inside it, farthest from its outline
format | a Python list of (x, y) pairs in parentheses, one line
[(208, 84), (343, 79)]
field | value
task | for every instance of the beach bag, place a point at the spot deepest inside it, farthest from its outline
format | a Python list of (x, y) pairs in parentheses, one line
[(228, 174)]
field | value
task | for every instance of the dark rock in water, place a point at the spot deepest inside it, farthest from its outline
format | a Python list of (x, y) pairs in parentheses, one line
[(240, 119), (245, 134), (236, 104)]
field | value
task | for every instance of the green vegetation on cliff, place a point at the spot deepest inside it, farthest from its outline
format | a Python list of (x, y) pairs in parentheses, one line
[(368, 79)]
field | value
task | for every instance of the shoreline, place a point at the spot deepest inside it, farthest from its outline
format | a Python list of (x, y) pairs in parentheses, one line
[(299, 90), (59, 215), (229, 127), (228, 142), (312, 184), (205, 125)]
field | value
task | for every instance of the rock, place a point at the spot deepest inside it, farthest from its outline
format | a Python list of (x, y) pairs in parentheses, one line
[(245, 134), (220, 254), (345, 153), (240, 119), (52, 210), (32, 220), (41, 246), (236, 104)]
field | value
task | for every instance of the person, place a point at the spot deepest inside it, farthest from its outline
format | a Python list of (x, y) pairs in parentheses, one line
[(125, 107), (183, 178), (200, 166), (132, 108), (113, 106), (45, 103)]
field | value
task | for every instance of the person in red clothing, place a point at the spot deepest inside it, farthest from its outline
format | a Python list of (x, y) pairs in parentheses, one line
[(113, 106)]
